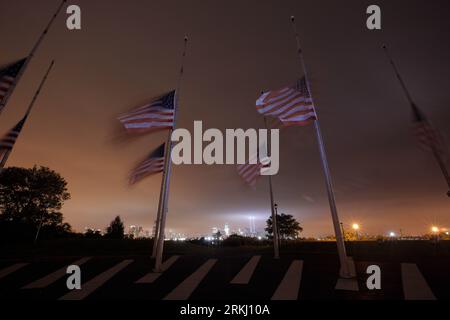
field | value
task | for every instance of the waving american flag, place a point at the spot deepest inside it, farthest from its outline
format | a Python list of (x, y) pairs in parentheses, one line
[(429, 138), (8, 141), (251, 170), (293, 106), (156, 115), (8, 76), (152, 164)]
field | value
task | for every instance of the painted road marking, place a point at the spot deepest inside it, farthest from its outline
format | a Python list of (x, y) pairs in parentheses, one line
[(184, 290), (244, 276), (152, 276), (54, 276), (415, 286), (93, 284), (290, 285), (6, 271)]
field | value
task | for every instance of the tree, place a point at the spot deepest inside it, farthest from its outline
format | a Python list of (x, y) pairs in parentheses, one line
[(30, 198), (92, 234), (288, 227), (115, 229), (217, 235)]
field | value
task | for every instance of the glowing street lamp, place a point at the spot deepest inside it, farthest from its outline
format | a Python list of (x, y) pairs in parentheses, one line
[(355, 227), (435, 231), (392, 234)]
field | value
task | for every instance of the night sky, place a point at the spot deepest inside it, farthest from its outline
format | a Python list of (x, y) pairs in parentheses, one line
[(130, 51)]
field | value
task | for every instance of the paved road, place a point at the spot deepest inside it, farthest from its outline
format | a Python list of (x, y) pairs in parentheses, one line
[(241, 277)]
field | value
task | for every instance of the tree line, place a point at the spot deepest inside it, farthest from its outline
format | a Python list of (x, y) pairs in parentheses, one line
[(31, 200)]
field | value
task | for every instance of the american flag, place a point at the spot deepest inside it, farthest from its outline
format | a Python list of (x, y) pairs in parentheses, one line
[(9, 139), (429, 138), (250, 172), (8, 76), (152, 164), (156, 115), (293, 106)]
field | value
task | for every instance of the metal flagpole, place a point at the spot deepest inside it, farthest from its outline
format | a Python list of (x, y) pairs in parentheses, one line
[(28, 59), (436, 154), (44, 79), (167, 171), (345, 271), (50, 67), (158, 216), (276, 245)]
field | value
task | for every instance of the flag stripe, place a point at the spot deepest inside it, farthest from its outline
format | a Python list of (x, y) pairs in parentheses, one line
[(8, 75), (291, 106), (152, 164), (159, 114), (10, 138), (428, 137)]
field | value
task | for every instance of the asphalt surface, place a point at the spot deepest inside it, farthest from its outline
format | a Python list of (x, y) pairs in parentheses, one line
[(318, 279)]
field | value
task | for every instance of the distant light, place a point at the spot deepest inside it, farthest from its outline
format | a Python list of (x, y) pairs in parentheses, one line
[(434, 229), (391, 234), (355, 226), (259, 238)]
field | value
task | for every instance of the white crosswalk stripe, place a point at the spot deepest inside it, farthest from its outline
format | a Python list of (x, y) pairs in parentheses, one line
[(289, 287), (184, 290), (93, 284), (54, 276), (152, 276), (415, 287), (244, 276), (8, 270)]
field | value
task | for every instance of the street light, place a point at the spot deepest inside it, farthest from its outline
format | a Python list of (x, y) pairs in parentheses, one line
[(392, 234), (355, 227), (435, 231)]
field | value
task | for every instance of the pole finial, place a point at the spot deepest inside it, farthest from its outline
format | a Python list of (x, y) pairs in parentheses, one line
[(292, 18)]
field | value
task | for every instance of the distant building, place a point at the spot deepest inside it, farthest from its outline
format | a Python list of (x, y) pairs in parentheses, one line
[(226, 229), (137, 232)]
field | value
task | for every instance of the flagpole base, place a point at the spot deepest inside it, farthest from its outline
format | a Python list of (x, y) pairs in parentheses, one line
[(351, 273), (347, 280)]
